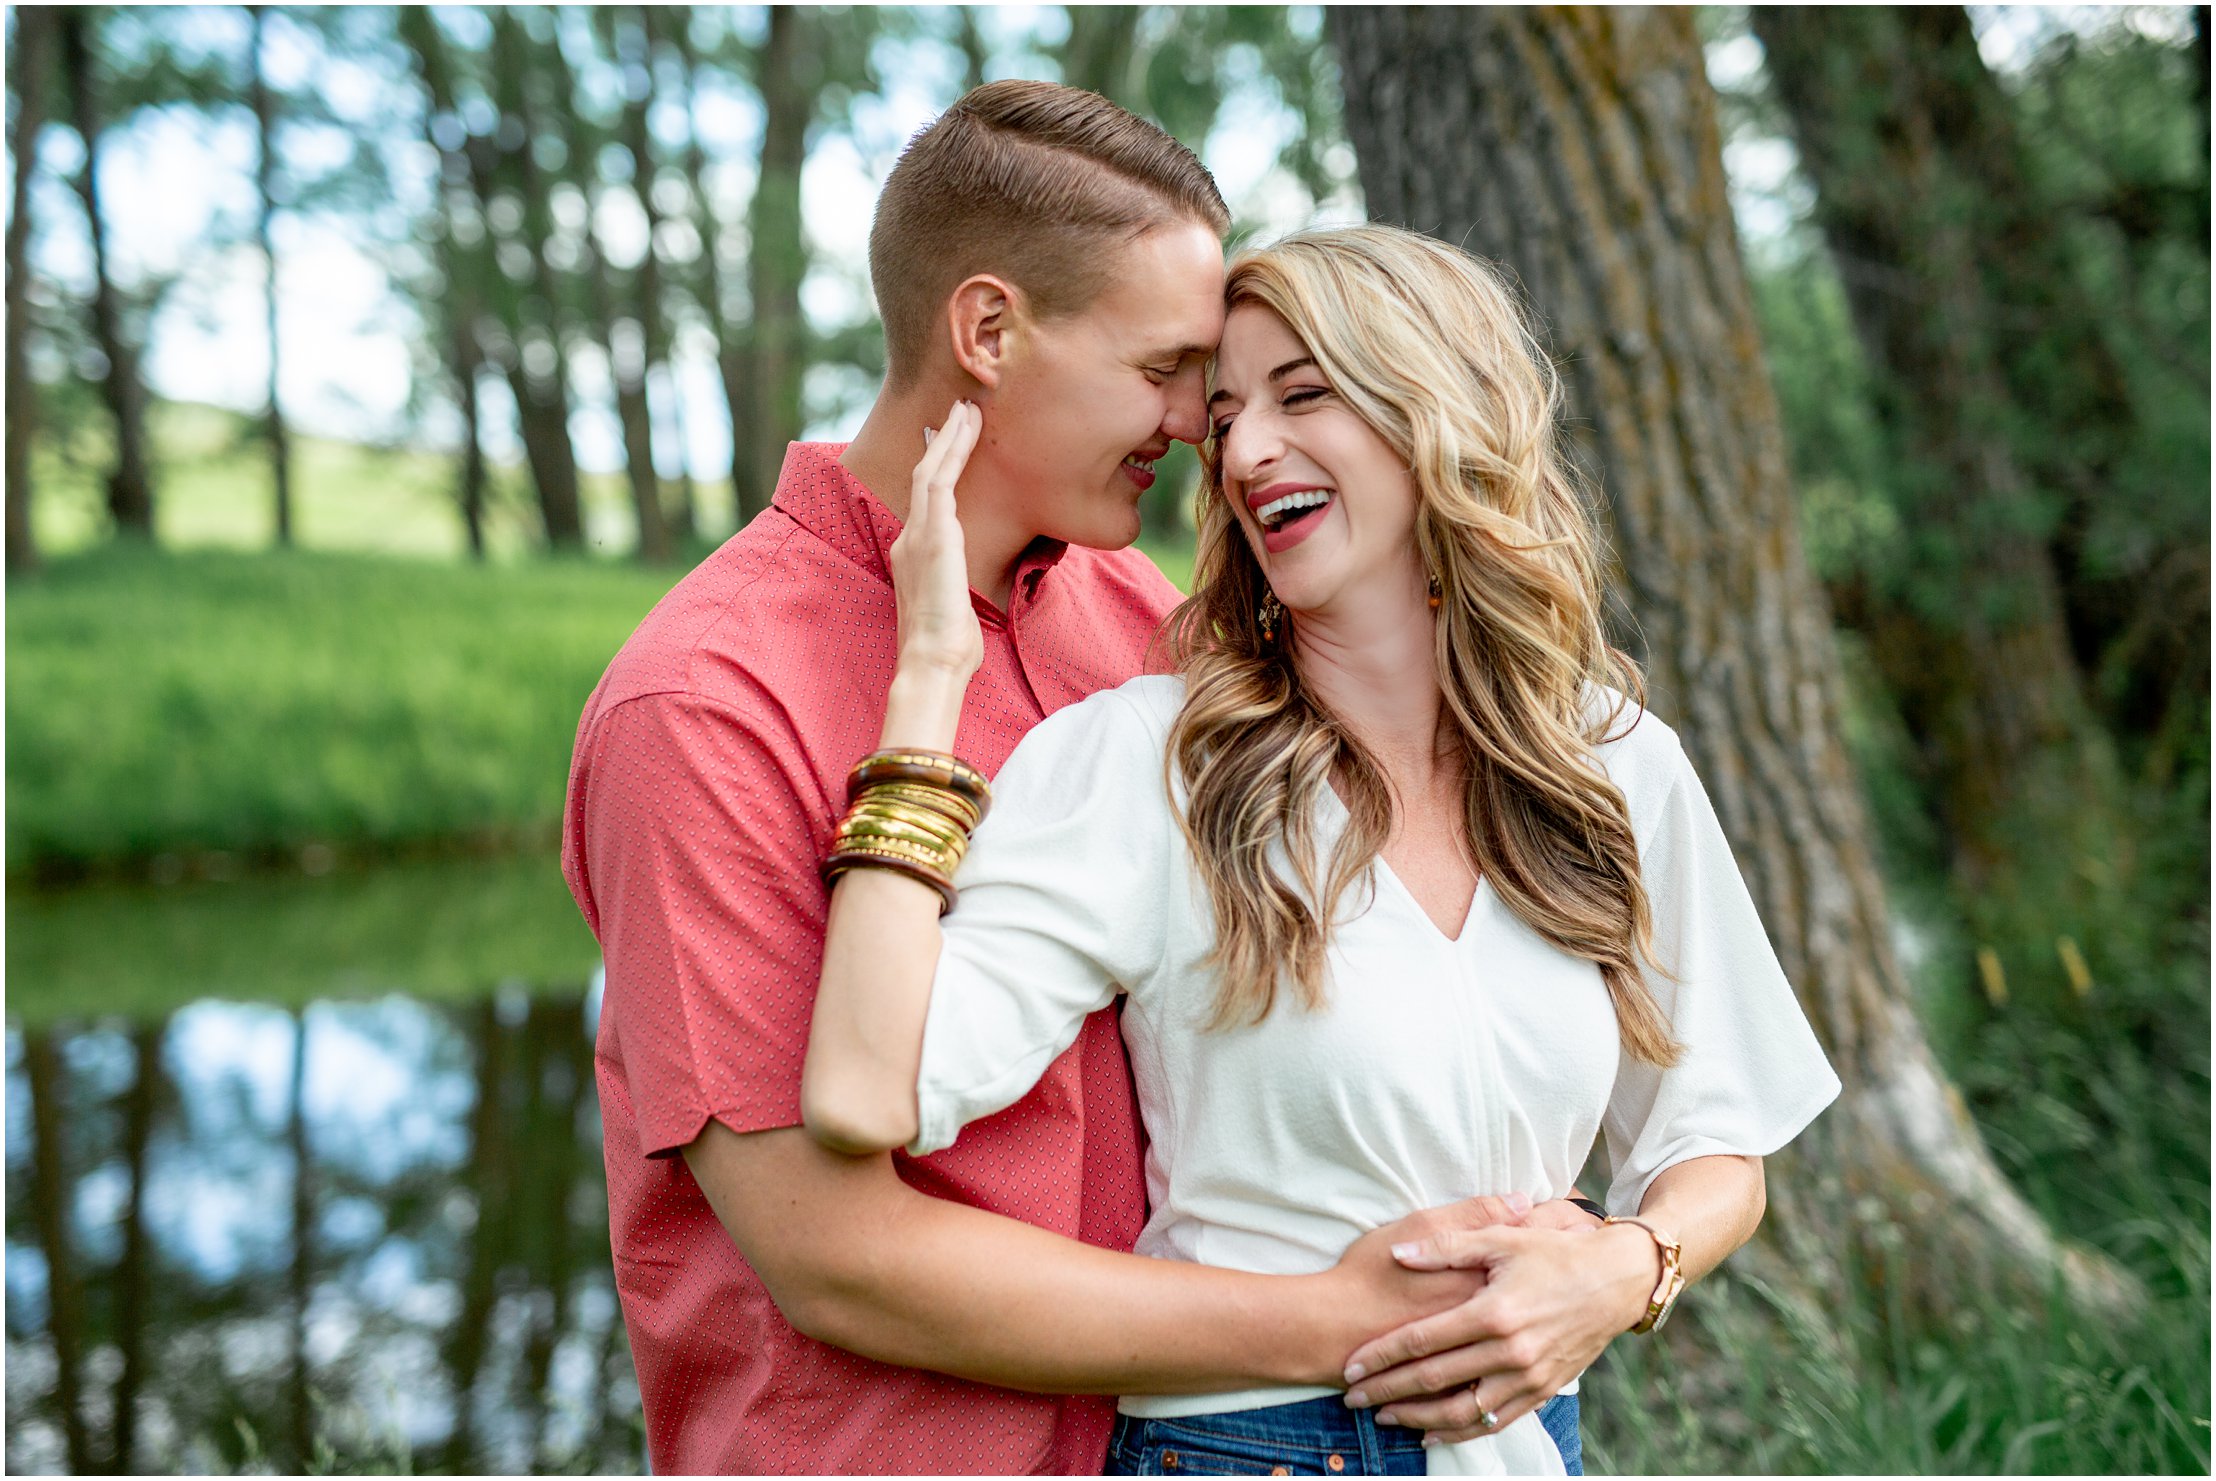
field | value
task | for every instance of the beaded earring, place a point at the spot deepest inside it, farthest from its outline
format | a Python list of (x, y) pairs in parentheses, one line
[(1267, 615), (1434, 585)]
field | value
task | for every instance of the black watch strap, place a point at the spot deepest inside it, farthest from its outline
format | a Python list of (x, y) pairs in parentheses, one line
[(1589, 1206)]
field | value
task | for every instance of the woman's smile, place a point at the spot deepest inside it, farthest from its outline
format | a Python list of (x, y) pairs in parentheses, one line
[(1289, 513)]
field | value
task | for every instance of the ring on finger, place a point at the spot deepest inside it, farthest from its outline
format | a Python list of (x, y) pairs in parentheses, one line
[(1486, 1418)]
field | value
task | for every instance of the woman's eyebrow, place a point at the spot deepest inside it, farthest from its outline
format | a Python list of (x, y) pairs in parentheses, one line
[(1276, 375)]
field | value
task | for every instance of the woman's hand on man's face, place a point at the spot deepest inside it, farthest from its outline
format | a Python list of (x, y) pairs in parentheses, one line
[(939, 631)]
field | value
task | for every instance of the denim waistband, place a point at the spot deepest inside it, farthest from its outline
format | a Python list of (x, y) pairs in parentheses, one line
[(1315, 1436)]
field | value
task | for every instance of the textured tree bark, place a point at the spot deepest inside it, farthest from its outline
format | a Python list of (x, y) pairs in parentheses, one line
[(30, 66), (1906, 137), (777, 260), (130, 484), (1580, 148), (265, 180)]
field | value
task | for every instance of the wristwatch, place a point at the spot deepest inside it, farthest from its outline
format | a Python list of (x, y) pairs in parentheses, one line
[(1666, 1290)]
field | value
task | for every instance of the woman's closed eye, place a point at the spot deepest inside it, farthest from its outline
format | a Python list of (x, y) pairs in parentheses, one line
[(1298, 396)]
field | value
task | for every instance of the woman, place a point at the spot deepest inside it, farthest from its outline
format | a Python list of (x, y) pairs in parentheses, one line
[(1408, 902)]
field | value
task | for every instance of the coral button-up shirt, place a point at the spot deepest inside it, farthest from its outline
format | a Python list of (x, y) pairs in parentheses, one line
[(708, 778)]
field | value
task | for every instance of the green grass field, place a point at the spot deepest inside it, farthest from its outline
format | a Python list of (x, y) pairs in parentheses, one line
[(225, 705), (263, 704)]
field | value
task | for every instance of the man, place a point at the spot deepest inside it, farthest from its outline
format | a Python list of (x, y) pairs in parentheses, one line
[(1059, 262)]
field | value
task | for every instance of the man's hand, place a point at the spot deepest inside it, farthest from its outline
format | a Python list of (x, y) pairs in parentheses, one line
[(1377, 1290), (1451, 1327), (1551, 1300)]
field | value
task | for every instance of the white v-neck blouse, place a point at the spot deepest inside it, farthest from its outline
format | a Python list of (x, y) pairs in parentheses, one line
[(1437, 1069)]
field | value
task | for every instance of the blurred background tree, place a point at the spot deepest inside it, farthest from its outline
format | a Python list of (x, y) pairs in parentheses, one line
[(1886, 334)]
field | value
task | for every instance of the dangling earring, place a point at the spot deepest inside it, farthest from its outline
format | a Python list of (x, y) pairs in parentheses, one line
[(1434, 585), (1267, 615)]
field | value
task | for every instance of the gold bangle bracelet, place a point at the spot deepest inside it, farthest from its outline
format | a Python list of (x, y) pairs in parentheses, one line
[(944, 801), (929, 768), (839, 863), (921, 856), (938, 825), (947, 856)]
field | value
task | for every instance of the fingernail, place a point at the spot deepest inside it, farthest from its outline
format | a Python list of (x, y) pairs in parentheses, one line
[(927, 437), (1356, 1399), (1520, 1202), (1354, 1372), (1430, 1441), (1388, 1419), (1407, 1251)]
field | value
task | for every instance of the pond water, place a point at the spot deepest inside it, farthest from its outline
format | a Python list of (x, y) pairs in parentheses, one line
[(306, 1174)]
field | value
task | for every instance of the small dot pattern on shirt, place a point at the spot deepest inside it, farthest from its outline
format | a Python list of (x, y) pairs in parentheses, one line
[(708, 776)]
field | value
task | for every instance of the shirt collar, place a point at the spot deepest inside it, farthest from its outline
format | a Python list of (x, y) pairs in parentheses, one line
[(824, 498)]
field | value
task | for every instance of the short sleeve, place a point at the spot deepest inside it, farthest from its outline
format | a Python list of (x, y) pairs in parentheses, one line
[(1752, 1074), (1063, 899), (696, 846)]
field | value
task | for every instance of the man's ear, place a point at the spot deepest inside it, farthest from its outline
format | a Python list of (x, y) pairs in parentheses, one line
[(982, 315)]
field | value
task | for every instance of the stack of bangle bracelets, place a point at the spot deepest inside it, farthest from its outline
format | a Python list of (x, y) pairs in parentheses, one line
[(911, 812)]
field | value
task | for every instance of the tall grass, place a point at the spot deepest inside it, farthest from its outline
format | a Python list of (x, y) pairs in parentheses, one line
[(2087, 1070)]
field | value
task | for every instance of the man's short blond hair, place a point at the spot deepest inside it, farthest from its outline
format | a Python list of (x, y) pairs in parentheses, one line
[(1032, 182)]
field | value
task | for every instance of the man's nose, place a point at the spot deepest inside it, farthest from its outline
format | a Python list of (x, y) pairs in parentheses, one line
[(1186, 418)]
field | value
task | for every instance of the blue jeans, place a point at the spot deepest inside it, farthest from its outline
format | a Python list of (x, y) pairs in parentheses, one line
[(1315, 1437)]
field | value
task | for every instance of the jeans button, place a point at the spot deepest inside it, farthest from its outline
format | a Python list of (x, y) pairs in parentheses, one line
[(1337, 1462), (1169, 1460)]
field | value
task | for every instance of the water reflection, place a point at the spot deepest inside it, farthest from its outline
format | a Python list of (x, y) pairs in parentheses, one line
[(351, 1234)]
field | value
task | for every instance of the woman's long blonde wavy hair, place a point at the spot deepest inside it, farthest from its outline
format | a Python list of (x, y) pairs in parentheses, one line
[(1429, 347)]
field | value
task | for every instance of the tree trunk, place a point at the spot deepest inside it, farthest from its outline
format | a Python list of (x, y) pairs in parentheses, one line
[(971, 42), (463, 265), (1098, 53), (709, 287), (1903, 132), (541, 380), (1580, 148), (32, 64), (52, 1190), (627, 353), (647, 299), (130, 484), (265, 178), (471, 493), (777, 261)]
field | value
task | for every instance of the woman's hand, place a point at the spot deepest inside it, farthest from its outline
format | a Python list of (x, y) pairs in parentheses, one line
[(938, 627), (1552, 1299)]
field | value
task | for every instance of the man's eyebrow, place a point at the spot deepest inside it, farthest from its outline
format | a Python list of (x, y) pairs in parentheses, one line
[(1182, 352)]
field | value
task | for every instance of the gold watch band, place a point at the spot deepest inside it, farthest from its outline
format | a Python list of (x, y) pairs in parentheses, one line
[(1664, 1299)]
